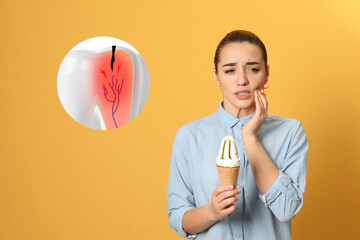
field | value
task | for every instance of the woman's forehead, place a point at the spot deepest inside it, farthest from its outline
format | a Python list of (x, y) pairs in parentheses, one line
[(243, 51)]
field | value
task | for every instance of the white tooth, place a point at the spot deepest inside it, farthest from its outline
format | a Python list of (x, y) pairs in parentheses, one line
[(76, 79)]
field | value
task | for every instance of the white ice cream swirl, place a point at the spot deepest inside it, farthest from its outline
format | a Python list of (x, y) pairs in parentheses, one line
[(228, 155)]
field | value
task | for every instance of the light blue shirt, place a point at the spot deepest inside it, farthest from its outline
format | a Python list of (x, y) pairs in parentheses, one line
[(193, 177)]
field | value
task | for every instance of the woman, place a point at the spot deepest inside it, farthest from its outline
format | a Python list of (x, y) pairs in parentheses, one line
[(273, 152)]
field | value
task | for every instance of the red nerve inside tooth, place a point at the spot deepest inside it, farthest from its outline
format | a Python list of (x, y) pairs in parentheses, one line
[(113, 87)]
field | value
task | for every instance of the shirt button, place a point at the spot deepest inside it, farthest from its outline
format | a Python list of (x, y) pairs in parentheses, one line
[(238, 235)]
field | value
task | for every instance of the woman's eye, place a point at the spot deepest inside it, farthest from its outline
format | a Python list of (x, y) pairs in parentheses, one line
[(229, 71), (254, 70)]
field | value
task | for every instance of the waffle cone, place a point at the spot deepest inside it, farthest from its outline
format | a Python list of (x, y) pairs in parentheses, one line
[(228, 175)]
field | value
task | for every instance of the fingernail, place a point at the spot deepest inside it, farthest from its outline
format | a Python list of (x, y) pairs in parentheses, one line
[(262, 90)]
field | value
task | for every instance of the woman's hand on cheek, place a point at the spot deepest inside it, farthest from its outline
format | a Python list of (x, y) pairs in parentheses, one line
[(252, 127)]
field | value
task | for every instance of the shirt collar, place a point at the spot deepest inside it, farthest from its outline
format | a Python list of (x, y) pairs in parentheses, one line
[(230, 119)]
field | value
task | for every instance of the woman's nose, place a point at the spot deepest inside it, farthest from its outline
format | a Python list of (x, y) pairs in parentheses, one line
[(241, 78)]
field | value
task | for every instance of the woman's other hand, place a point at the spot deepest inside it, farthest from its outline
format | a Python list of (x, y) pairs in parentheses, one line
[(252, 127), (222, 202)]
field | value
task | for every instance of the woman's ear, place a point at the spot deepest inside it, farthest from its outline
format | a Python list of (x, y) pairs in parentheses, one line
[(216, 77)]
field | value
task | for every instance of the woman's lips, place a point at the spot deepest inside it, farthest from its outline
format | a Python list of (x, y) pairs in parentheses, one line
[(242, 95)]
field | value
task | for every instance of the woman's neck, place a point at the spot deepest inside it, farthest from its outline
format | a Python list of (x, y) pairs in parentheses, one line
[(238, 112)]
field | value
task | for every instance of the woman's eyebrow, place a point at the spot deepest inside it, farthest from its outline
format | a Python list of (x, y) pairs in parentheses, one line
[(234, 63), (229, 64), (252, 63)]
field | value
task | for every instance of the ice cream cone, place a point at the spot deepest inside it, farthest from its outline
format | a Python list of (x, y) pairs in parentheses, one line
[(228, 175)]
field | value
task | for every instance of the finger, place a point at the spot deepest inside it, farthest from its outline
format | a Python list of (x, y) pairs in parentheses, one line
[(264, 101), (227, 194), (259, 106), (228, 211), (227, 202), (264, 98), (221, 189), (263, 109), (261, 102)]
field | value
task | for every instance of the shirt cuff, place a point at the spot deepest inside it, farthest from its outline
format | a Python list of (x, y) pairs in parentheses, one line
[(178, 228), (282, 185)]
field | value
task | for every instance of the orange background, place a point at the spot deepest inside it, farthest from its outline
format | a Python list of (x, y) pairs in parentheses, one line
[(61, 180)]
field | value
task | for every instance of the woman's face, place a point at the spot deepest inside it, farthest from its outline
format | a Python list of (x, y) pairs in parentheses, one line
[(241, 70)]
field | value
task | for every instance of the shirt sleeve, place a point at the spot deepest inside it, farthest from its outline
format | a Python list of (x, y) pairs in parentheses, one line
[(180, 196), (285, 197)]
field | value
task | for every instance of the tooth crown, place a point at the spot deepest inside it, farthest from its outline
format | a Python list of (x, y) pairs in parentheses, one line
[(228, 155)]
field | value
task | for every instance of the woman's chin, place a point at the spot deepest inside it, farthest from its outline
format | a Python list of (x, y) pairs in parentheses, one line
[(245, 104), (240, 104)]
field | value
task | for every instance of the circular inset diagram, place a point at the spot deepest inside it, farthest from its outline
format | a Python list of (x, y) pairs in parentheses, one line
[(103, 83)]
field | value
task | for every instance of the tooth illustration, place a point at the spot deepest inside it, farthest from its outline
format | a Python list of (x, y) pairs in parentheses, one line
[(228, 161), (103, 83)]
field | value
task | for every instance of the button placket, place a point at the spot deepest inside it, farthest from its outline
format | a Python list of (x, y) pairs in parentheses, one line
[(238, 235), (238, 140)]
